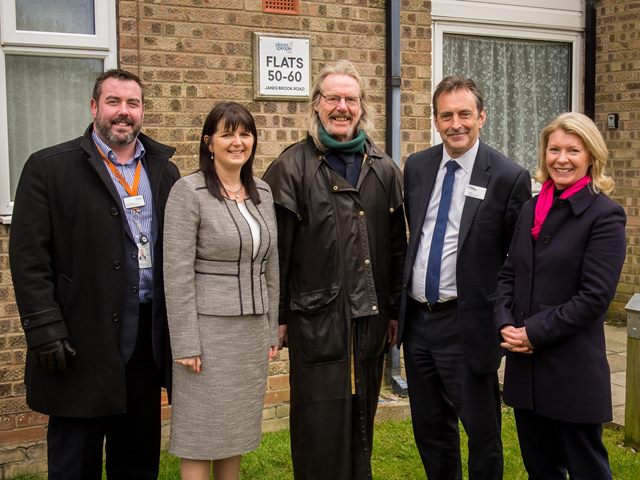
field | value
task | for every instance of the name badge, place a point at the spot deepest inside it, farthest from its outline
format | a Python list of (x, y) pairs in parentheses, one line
[(134, 201), (144, 255), (475, 192)]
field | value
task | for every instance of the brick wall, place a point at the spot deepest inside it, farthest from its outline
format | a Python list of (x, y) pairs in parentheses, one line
[(192, 54), (22, 431), (618, 91)]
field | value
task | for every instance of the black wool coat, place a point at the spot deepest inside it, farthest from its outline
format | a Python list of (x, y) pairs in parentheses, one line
[(559, 287), (67, 254)]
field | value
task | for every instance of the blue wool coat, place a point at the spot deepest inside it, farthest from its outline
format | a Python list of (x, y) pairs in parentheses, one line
[(560, 287)]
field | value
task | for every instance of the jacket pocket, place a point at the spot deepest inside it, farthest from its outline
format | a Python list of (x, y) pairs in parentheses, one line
[(318, 327)]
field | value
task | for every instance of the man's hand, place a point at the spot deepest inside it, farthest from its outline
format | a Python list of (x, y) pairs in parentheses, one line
[(392, 332), (282, 336), (52, 356)]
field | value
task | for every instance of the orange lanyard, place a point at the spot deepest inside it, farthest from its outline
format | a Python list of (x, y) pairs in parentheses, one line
[(132, 190)]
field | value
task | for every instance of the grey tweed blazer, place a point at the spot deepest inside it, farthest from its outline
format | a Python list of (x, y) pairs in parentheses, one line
[(208, 264)]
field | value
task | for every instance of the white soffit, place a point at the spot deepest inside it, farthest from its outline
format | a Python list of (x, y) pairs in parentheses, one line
[(560, 14)]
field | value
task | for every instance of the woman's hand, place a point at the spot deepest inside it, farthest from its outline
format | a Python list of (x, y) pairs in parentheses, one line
[(273, 351), (192, 363), (516, 340)]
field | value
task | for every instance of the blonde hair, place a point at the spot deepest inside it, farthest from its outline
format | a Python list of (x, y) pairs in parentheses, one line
[(341, 67), (582, 126)]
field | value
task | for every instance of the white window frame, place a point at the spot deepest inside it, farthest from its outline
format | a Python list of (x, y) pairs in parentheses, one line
[(572, 38), (544, 20), (102, 45)]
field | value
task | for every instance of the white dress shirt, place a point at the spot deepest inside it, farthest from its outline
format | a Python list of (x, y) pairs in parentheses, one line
[(448, 290)]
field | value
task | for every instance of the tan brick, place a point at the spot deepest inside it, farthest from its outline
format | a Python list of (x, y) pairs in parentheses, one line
[(275, 424), (278, 382), (268, 413), (282, 410), (22, 435), (275, 397), (11, 455), (31, 419)]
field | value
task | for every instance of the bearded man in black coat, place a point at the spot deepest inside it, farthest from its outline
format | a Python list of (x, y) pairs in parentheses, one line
[(86, 257)]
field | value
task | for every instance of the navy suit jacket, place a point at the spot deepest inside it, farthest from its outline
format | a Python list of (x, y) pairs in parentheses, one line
[(486, 229), (559, 287)]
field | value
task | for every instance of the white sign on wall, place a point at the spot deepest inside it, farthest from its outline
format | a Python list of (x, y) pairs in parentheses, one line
[(283, 66)]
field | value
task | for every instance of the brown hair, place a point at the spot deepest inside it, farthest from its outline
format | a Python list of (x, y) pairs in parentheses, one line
[(450, 84), (118, 74)]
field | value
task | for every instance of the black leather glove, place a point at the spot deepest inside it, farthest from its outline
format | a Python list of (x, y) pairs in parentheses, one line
[(52, 356)]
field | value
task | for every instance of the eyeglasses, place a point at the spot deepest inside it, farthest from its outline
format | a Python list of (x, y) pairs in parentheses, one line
[(334, 100)]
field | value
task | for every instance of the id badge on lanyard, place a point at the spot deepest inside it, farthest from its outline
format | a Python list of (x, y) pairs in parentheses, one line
[(133, 202), (144, 252)]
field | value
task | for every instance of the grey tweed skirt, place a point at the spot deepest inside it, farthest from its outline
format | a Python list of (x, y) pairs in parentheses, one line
[(218, 413)]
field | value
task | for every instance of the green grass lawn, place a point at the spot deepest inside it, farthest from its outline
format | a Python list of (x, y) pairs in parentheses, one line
[(395, 456)]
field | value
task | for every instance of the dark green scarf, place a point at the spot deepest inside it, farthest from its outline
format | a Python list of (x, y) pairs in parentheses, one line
[(355, 145)]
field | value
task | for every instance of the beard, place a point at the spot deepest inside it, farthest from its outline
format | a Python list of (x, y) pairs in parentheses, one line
[(104, 129)]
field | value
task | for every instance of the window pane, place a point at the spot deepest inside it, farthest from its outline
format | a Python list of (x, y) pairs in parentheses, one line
[(62, 16), (48, 102), (525, 83)]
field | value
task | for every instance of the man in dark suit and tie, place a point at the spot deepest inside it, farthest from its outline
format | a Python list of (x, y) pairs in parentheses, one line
[(462, 199)]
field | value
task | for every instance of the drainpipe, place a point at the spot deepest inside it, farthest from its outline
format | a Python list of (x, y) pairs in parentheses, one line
[(590, 59), (393, 371), (392, 37)]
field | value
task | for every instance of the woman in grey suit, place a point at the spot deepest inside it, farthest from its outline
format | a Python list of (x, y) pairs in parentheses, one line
[(221, 284)]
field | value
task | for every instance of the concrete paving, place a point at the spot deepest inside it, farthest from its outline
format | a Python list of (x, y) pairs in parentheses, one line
[(396, 408), (617, 355)]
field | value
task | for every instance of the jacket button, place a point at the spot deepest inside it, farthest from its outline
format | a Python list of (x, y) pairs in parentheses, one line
[(116, 266), (374, 308), (546, 240), (335, 188), (134, 255), (134, 289), (367, 262), (115, 318), (114, 211), (361, 213), (391, 210), (26, 322)]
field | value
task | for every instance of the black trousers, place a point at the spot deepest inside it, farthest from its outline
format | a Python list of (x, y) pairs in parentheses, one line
[(443, 389), (132, 445), (552, 448)]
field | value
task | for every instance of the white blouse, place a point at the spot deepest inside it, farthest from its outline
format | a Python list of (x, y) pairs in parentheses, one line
[(254, 226)]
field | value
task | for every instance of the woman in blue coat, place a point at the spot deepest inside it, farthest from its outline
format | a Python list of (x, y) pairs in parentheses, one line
[(551, 302)]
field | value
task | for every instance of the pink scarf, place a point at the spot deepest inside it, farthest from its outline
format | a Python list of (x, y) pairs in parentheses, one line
[(545, 200)]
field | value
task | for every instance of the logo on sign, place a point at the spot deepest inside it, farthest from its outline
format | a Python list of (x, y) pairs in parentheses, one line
[(284, 46)]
